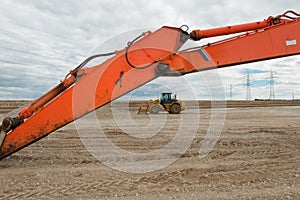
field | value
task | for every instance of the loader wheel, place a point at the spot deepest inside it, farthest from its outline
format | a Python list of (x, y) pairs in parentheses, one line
[(154, 109), (175, 109)]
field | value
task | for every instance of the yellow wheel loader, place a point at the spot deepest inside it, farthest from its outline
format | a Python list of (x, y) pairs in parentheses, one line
[(166, 102)]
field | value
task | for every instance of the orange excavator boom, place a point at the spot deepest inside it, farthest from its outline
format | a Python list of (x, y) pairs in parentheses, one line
[(145, 58), (253, 26)]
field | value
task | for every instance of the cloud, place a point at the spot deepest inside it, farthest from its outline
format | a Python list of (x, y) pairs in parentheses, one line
[(40, 41)]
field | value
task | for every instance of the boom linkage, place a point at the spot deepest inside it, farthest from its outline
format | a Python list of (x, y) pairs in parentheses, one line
[(147, 57)]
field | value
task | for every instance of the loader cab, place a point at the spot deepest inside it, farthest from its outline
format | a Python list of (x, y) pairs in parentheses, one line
[(166, 98)]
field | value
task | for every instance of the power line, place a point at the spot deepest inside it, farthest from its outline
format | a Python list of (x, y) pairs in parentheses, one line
[(9, 32), (30, 53)]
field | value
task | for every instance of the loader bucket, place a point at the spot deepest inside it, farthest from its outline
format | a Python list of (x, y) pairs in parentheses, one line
[(142, 110)]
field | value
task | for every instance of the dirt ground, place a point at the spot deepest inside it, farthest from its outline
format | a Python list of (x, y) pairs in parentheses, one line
[(256, 156)]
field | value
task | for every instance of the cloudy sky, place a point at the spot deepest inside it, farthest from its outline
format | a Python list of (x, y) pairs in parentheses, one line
[(40, 41)]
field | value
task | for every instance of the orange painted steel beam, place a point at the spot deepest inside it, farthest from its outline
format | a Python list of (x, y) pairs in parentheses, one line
[(94, 88), (273, 42), (155, 54)]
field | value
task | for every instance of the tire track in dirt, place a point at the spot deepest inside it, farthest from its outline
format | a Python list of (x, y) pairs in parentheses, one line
[(248, 160)]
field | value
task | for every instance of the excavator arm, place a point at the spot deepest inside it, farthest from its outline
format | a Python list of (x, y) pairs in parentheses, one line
[(145, 58)]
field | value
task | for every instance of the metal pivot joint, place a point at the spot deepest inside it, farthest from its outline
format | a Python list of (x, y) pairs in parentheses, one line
[(8, 124)]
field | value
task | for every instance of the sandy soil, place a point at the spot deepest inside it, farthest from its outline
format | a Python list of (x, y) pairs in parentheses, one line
[(257, 156)]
